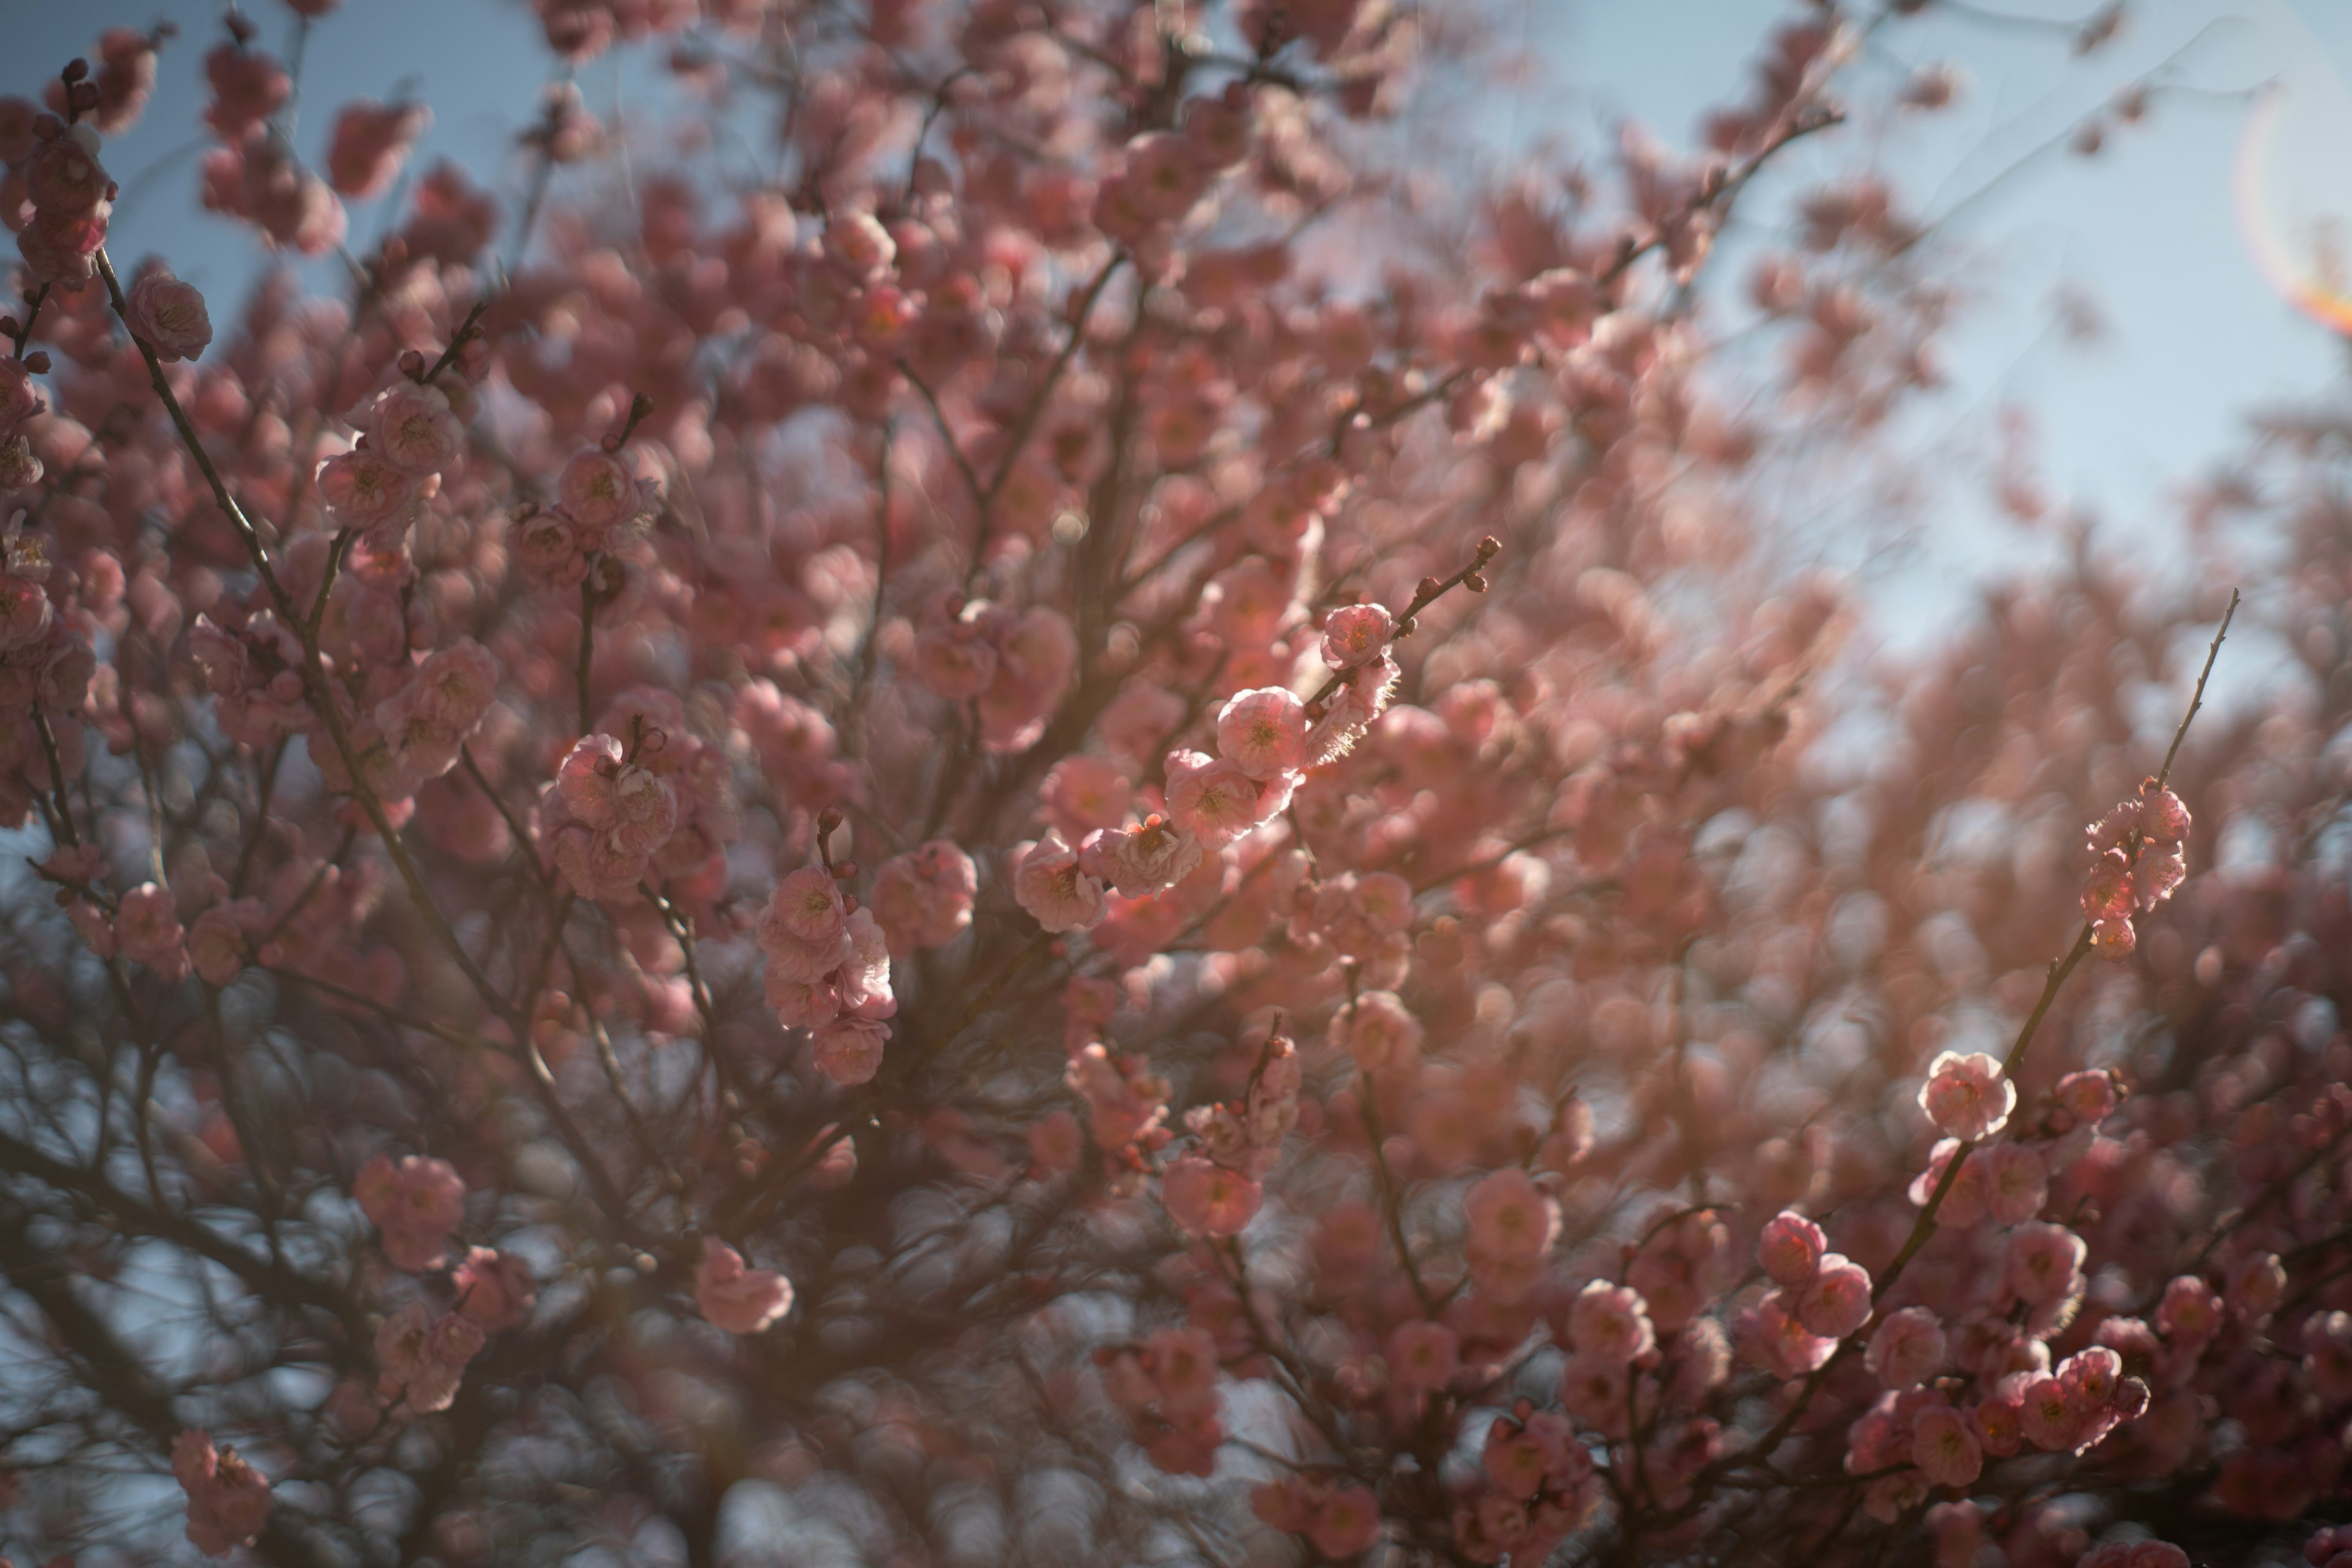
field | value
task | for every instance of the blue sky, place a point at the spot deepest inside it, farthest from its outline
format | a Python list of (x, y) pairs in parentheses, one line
[(2149, 230)]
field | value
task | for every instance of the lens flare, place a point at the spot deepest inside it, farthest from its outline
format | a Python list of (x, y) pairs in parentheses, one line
[(2290, 195)]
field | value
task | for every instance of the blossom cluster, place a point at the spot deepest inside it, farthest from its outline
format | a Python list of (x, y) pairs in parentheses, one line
[(1093, 823)]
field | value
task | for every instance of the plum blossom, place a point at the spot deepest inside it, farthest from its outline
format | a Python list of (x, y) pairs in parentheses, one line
[(414, 1204), (228, 1500), (1968, 1096), (169, 316), (740, 1299), (424, 1356), (1790, 1248), (1049, 882), (1205, 1198)]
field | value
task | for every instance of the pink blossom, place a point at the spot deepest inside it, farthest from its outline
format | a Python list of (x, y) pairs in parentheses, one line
[(925, 897), (1422, 1356), (494, 1288), (1906, 1349), (1609, 1323), (63, 175), (168, 315), (413, 427), (2043, 1263), (598, 490), (1212, 800), (424, 1357), (1140, 860), (1345, 1522), (1355, 634), (217, 942), (1837, 1299), (1946, 1451), (2089, 1097), (1205, 1198), (1378, 1031), (1968, 1096), (1048, 882), (849, 1050), (370, 143), (1263, 732), (2049, 1419), (2188, 1312), (147, 930), (2017, 1183), (228, 1500), (416, 1203), (362, 489), (739, 1300), (1790, 1248)]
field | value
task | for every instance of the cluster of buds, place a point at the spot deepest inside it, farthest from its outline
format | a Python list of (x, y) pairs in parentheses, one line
[(605, 508), (44, 661), (1126, 1110), (829, 967), (1168, 1388), (2138, 864), (1215, 1190), (71, 194), (410, 434), (1543, 1488)]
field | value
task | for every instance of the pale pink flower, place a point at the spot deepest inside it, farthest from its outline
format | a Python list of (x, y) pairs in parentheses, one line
[(147, 930), (425, 1357), (1263, 732), (63, 176), (1212, 800), (2188, 1313), (1422, 1356), (1140, 861), (217, 945), (1049, 884), (25, 612), (807, 905), (1184, 1369), (925, 897), (2017, 1183), (2047, 1417), (494, 1288), (2090, 1097), (1205, 1198), (168, 315), (849, 1050), (1594, 1389), (1609, 1323), (1790, 1248), (416, 1203), (1356, 634), (1944, 1448), (1378, 1031), (1837, 1300), (1968, 1096), (413, 427), (369, 143), (1344, 1522), (228, 1500), (361, 490), (739, 1300), (1906, 1350), (598, 488), (2043, 1263)]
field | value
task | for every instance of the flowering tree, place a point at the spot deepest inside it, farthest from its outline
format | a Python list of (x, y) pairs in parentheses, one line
[(1097, 830)]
